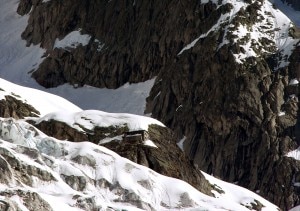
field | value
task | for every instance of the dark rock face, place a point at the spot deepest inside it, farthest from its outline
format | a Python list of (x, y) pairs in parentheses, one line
[(135, 45), (31, 200), (228, 111), (167, 159), (230, 115), (12, 107), (60, 131)]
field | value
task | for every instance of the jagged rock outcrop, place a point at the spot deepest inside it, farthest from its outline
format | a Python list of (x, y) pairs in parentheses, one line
[(239, 118), (167, 159), (13, 107), (31, 200), (40, 172), (61, 131), (127, 43), (234, 103)]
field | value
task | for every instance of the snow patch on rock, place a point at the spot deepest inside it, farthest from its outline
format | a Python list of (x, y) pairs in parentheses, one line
[(72, 40), (84, 176)]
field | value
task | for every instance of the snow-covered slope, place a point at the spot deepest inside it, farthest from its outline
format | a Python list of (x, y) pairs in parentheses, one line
[(17, 61), (41, 171), (40, 100), (79, 175), (84, 176), (93, 118), (264, 33), (288, 11)]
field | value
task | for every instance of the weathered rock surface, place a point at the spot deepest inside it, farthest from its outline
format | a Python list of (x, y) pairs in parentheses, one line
[(230, 112), (135, 46), (60, 130), (167, 159), (40, 172), (231, 116), (31, 200), (13, 107)]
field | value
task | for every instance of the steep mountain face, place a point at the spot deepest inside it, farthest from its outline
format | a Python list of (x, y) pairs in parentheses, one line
[(164, 157), (237, 100), (40, 172), (227, 79), (125, 41)]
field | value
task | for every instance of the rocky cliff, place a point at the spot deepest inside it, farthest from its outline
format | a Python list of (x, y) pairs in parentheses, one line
[(227, 76), (13, 107), (239, 118), (40, 172), (165, 158), (128, 32)]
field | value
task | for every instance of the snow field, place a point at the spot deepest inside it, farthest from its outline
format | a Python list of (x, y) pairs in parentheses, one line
[(161, 192)]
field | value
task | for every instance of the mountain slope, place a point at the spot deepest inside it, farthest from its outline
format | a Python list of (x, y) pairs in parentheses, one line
[(287, 7), (43, 102), (18, 61), (41, 172), (232, 95), (227, 75)]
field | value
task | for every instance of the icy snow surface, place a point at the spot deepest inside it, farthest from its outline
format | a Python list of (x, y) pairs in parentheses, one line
[(129, 98), (295, 208), (288, 11), (89, 119), (150, 143), (72, 40), (294, 154), (41, 101), (17, 60), (161, 192), (243, 195)]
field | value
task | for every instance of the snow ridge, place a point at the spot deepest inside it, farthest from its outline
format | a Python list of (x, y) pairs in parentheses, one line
[(268, 34), (89, 119), (106, 179), (42, 101)]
